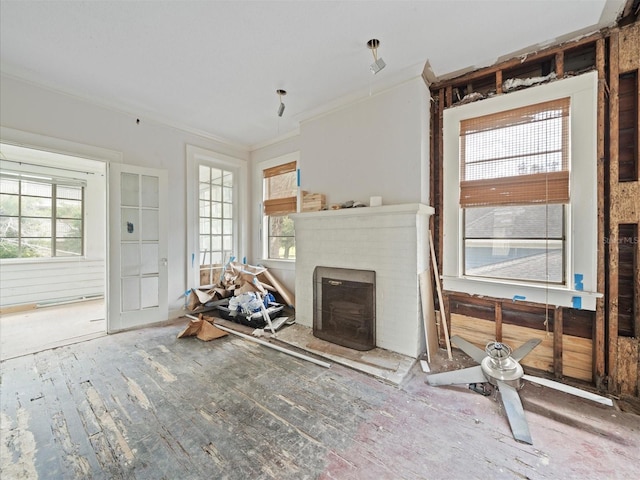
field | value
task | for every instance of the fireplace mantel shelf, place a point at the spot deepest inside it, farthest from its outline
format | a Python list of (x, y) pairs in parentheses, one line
[(417, 208)]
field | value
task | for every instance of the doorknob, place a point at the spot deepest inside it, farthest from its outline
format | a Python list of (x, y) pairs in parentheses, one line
[(164, 262)]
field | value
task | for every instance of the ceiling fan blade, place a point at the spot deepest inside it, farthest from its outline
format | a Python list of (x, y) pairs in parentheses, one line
[(515, 412), (469, 348), (522, 351), (569, 389), (466, 375)]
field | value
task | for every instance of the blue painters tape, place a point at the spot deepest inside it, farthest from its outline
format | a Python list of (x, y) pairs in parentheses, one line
[(518, 297), (576, 302), (577, 279), (298, 177)]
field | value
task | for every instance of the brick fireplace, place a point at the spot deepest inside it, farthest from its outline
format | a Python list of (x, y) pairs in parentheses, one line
[(391, 241)]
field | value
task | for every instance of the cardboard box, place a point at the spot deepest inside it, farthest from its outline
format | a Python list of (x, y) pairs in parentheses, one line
[(313, 202)]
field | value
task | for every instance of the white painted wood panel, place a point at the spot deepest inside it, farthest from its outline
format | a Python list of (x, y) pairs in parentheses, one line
[(34, 282)]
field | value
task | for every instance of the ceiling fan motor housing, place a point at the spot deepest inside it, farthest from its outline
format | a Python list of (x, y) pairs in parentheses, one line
[(498, 365)]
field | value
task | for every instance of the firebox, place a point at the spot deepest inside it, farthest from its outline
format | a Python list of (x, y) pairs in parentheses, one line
[(344, 307)]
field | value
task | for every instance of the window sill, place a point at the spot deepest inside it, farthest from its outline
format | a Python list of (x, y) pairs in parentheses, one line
[(278, 263), (542, 294)]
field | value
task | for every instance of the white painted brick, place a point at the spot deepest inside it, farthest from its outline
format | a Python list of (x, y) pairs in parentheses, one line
[(389, 240)]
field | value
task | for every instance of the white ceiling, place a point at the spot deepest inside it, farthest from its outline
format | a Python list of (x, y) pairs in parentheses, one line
[(214, 66)]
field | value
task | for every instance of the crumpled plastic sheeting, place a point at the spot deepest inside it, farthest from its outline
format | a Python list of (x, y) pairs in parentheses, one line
[(246, 303)]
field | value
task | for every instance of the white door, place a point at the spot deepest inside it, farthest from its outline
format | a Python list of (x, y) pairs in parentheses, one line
[(138, 278)]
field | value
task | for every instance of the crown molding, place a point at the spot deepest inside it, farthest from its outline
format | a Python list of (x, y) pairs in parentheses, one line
[(13, 74)]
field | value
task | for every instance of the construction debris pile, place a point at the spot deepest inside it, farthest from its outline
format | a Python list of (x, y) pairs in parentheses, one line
[(239, 290), (244, 294)]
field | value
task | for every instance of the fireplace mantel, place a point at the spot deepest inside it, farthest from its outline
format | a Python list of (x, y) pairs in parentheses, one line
[(391, 240), (411, 208)]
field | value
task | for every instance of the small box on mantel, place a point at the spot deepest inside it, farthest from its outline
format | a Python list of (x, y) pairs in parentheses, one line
[(313, 202)]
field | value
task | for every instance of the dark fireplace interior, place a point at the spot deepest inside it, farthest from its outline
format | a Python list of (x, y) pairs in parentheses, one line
[(344, 307)]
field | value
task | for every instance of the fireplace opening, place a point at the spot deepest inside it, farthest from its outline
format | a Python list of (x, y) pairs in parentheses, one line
[(344, 307)]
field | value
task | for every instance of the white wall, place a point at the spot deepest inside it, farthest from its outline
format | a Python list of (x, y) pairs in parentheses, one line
[(377, 146), (42, 111), (373, 147)]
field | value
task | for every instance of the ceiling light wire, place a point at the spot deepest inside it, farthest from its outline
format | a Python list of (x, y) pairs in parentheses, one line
[(373, 46)]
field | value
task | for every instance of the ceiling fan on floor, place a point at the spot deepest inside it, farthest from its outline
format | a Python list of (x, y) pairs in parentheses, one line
[(500, 367)]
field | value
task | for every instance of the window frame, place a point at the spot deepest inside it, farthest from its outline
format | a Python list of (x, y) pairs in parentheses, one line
[(195, 157), (581, 213)]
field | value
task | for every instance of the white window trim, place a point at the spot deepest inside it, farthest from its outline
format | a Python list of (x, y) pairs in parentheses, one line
[(195, 156), (582, 226), (263, 235)]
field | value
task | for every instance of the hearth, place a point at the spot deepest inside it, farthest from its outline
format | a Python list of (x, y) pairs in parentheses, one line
[(344, 310)]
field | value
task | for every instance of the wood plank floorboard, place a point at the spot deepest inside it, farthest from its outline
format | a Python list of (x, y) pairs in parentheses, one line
[(145, 405)]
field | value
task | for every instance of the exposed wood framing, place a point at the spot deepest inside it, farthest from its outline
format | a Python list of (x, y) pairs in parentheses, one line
[(560, 63), (557, 342), (627, 366), (613, 206), (599, 370), (591, 351), (514, 62), (441, 107), (624, 209)]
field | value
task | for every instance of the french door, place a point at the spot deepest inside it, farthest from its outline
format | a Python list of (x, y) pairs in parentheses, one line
[(138, 265)]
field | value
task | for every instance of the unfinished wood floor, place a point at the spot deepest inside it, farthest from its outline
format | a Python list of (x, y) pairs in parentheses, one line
[(145, 405)]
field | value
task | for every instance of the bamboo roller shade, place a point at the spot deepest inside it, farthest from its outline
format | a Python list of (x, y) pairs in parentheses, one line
[(280, 206), (518, 156), (283, 205), (279, 170)]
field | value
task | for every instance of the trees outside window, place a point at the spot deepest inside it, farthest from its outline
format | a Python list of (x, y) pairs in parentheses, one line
[(40, 218)]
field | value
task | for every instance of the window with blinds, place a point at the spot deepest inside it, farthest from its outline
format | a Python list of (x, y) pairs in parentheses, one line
[(515, 157), (280, 189), (280, 199), (514, 180)]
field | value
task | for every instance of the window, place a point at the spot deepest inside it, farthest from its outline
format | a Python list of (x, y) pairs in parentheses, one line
[(40, 217), (215, 233), (217, 213), (520, 195), (517, 242), (514, 180), (279, 196)]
